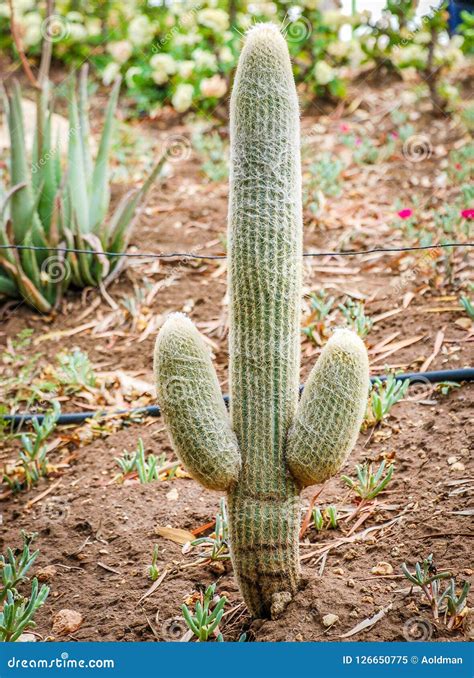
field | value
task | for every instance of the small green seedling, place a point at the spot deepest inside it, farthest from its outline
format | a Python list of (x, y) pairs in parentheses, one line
[(219, 540), (355, 317), (204, 621), (126, 463), (318, 520), (467, 305), (454, 604), (445, 387), (33, 461), (18, 611), (384, 395), (368, 484), (153, 570), (323, 177), (146, 467), (75, 371), (447, 603), (214, 154), (325, 519), (427, 578), (320, 307), (13, 568)]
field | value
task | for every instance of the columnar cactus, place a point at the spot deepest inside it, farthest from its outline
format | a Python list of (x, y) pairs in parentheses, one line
[(271, 446)]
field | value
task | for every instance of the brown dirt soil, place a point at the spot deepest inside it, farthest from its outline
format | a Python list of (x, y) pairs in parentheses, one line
[(99, 535)]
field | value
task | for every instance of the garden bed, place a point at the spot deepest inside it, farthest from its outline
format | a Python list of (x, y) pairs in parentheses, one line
[(99, 535)]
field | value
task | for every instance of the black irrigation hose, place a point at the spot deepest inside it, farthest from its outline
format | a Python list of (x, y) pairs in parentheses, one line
[(465, 374)]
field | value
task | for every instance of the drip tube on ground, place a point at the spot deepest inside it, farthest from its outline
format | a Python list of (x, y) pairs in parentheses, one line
[(436, 377)]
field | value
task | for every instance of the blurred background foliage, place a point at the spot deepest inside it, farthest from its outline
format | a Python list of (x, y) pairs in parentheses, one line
[(182, 52)]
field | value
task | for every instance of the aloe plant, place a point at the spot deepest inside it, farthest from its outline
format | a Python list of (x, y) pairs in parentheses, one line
[(52, 207)]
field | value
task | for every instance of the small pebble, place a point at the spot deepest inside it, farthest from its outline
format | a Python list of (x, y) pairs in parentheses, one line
[(330, 620), (382, 568), (46, 573), (66, 621)]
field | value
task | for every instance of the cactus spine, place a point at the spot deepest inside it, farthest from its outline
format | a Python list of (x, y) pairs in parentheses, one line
[(271, 446)]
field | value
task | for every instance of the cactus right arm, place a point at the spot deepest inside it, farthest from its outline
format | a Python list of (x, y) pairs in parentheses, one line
[(192, 405), (331, 410)]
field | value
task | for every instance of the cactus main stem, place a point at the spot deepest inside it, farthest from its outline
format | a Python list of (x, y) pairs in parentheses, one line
[(265, 278), (271, 446)]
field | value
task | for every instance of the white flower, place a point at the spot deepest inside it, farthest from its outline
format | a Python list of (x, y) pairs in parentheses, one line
[(358, 18), (215, 19), (130, 76), (110, 73), (77, 32), (188, 19), (334, 19), (190, 38), (356, 53), (225, 55), (163, 62), (450, 55), (75, 17), (213, 87), (339, 49), (185, 69), (411, 55), (163, 65), (121, 50), (22, 6), (244, 20), (422, 38), (204, 60), (140, 30), (262, 8), (324, 73), (183, 97), (32, 36), (31, 29), (93, 27)]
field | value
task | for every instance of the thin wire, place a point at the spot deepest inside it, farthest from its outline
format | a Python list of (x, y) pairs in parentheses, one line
[(192, 255)]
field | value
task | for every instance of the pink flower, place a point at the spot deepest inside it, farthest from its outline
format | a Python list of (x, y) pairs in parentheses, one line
[(358, 142), (467, 214), (344, 128), (405, 214), (394, 135)]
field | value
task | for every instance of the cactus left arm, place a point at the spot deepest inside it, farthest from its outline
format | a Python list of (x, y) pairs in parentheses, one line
[(331, 410), (192, 405)]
